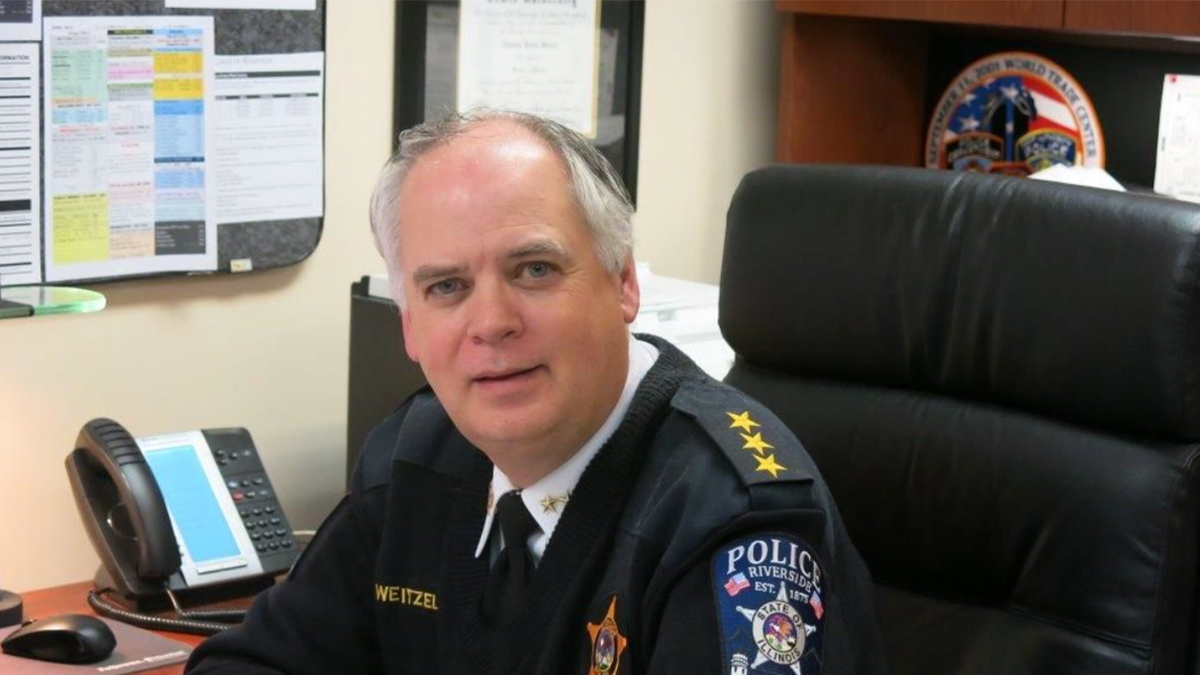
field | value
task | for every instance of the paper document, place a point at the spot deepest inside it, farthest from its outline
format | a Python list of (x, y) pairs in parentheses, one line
[(1177, 171), (128, 104), (268, 140), (684, 312), (20, 189), (20, 20), (539, 57), (1087, 176)]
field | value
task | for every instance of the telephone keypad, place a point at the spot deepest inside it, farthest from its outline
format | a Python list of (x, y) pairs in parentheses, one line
[(251, 490)]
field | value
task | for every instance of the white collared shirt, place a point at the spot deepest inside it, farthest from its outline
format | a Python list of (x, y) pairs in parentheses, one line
[(547, 499)]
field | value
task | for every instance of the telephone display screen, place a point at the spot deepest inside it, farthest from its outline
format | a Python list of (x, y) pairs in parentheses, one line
[(192, 504)]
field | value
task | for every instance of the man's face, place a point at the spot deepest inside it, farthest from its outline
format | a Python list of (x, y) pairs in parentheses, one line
[(520, 330)]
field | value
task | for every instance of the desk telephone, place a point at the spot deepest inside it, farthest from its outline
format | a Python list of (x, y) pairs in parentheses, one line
[(177, 517)]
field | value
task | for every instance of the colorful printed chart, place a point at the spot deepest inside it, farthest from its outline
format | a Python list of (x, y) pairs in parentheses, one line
[(127, 105)]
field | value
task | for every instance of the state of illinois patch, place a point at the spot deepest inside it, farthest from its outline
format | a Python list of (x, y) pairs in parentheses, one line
[(770, 605)]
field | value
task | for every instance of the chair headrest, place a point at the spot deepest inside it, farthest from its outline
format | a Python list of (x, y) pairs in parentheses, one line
[(1071, 302)]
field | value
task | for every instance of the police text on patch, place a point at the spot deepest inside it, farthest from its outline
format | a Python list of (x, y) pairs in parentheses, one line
[(765, 557)]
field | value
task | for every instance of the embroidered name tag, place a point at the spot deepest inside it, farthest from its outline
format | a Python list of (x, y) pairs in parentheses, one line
[(769, 605), (403, 595)]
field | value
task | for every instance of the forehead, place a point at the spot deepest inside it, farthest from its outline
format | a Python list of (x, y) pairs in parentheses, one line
[(496, 174), (494, 160)]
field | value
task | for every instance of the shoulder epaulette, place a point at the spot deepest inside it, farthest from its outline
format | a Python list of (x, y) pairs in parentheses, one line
[(760, 447), (382, 445)]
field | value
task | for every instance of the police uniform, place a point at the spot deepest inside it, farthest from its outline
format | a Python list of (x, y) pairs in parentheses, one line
[(700, 539)]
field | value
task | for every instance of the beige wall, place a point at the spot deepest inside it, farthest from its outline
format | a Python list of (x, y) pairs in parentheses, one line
[(268, 351), (709, 89)]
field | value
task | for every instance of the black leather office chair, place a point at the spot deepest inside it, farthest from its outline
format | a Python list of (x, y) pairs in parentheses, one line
[(1000, 381)]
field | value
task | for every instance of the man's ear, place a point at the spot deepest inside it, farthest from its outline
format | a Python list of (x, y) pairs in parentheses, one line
[(410, 346), (631, 293)]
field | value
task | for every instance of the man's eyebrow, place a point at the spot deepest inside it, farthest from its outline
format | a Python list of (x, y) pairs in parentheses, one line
[(426, 273), (538, 247)]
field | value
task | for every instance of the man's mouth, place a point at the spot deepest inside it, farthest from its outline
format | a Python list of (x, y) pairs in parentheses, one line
[(504, 375)]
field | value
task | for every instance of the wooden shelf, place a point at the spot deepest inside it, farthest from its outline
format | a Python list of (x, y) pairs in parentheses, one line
[(1022, 13), (1152, 17), (853, 75), (837, 73)]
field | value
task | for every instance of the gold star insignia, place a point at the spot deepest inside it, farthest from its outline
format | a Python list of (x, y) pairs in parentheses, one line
[(742, 421), (607, 643), (756, 443), (769, 465), (550, 502)]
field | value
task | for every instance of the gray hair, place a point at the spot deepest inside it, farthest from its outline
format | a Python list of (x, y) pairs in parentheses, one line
[(595, 186)]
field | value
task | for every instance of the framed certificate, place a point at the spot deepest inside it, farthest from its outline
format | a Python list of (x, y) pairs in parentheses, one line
[(576, 62)]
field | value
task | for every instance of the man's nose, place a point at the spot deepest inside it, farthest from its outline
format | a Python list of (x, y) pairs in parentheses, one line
[(495, 315)]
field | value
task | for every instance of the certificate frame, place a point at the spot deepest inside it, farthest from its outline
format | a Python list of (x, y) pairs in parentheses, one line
[(416, 92)]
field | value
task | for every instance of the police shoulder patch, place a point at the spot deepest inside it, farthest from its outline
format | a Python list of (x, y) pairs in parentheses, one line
[(760, 447), (770, 607)]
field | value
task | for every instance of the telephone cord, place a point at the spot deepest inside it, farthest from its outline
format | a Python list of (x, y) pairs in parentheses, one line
[(193, 622)]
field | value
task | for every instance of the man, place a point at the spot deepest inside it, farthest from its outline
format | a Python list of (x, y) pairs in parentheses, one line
[(567, 498)]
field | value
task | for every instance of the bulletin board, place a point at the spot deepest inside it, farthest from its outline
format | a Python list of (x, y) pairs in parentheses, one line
[(426, 68), (252, 245)]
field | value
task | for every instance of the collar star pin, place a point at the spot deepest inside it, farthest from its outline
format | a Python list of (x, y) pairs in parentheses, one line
[(550, 503)]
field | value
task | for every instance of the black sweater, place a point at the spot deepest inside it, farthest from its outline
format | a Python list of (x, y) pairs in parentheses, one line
[(690, 545)]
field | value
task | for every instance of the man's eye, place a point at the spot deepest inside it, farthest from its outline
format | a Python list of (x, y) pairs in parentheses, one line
[(538, 270), (445, 287)]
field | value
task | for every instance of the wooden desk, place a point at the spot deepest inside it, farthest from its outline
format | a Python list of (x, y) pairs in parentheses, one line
[(73, 598)]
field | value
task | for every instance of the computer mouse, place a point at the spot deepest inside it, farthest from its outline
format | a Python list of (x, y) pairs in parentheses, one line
[(66, 638)]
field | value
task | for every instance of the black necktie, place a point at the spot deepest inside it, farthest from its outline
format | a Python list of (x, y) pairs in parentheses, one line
[(514, 568)]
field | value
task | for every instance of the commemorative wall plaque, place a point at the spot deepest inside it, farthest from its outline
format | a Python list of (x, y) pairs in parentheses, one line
[(1013, 113)]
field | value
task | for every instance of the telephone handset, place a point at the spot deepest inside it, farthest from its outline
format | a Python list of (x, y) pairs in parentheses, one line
[(187, 516)]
